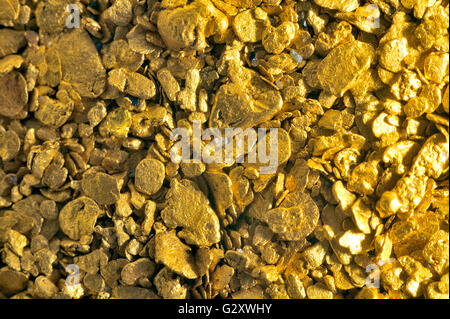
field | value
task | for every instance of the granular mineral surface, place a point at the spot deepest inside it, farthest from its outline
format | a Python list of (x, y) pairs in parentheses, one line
[(101, 102)]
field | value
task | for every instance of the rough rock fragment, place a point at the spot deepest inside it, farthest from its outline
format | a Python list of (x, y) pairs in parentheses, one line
[(92, 262), (275, 40), (190, 25), (125, 292), (132, 272), (118, 54), (170, 251), (367, 18), (315, 255), (363, 179), (436, 251), (436, 66), (12, 282), (169, 286), (13, 94), (220, 185), (44, 288), (149, 176), (432, 159), (101, 187), (9, 11), (247, 27), (392, 54), (9, 145), (10, 62), (16, 241), (120, 12), (245, 102), (355, 242), (94, 283), (168, 83), (188, 207), (77, 218), (406, 85), (11, 41), (53, 112), (111, 272), (319, 291), (132, 83), (117, 123), (81, 64), (51, 16), (222, 276), (341, 5), (295, 218), (340, 69), (339, 140)]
